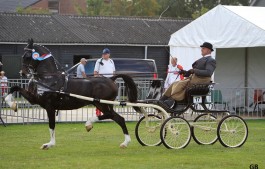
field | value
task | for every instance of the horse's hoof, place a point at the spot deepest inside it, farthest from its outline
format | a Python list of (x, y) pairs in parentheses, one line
[(89, 127), (123, 146), (44, 147), (14, 106)]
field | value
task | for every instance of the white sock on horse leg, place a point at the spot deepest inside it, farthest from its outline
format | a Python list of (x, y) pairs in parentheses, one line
[(91, 120), (52, 135), (127, 138)]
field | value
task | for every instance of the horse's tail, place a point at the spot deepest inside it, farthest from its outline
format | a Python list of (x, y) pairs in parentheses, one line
[(130, 85)]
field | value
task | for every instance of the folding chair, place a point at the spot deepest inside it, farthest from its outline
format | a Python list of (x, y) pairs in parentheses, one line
[(258, 98), (217, 98)]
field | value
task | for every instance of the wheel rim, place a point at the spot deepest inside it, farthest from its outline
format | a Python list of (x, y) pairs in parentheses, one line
[(147, 130), (232, 131), (204, 129), (175, 133)]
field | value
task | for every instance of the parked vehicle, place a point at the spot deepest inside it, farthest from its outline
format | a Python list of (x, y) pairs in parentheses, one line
[(136, 68)]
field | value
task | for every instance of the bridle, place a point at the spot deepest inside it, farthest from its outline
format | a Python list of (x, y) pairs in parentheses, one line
[(29, 67), (32, 70)]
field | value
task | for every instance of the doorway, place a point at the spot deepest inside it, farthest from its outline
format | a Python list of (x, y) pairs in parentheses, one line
[(76, 58)]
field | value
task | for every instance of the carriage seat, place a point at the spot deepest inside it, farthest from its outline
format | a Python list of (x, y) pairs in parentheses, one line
[(197, 90), (200, 90)]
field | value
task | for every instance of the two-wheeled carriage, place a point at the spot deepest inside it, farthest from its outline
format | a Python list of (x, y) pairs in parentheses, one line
[(206, 128)]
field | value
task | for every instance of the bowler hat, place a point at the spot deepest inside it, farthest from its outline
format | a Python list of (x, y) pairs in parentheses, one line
[(207, 45), (106, 51)]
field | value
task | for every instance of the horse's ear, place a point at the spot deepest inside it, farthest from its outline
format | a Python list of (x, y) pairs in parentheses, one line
[(31, 41)]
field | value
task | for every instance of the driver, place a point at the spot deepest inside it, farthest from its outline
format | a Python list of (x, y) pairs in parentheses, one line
[(201, 73)]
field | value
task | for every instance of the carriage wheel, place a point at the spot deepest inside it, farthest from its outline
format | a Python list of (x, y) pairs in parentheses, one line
[(147, 130), (204, 129), (232, 131), (175, 133)]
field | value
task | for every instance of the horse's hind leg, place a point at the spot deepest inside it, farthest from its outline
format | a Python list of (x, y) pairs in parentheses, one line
[(121, 122), (109, 113)]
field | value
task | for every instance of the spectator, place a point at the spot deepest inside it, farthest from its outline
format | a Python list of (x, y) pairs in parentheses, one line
[(80, 72), (3, 80), (104, 66), (172, 72)]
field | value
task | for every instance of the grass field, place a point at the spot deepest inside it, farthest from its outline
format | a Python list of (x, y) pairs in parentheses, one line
[(77, 149)]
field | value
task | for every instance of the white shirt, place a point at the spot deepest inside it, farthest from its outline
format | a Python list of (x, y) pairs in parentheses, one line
[(172, 76), (79, 70), (106, 69)]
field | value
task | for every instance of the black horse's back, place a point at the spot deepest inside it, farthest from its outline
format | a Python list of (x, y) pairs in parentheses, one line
[(95, 87)]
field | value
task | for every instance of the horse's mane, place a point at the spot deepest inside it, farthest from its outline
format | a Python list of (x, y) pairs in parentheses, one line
[(41, 49)]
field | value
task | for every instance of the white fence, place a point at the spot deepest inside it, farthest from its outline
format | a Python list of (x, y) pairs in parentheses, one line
[(246, 102)]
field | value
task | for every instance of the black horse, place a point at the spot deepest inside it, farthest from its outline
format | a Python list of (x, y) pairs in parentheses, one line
[(49, 82)]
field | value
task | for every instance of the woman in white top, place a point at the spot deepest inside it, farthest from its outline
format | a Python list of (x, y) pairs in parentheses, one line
[(172, 73), (104, 66), (3, 80)]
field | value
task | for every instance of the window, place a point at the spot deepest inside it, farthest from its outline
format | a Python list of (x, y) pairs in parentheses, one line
[(53, 6)]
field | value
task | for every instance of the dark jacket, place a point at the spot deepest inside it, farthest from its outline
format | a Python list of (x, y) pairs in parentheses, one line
[(204, 67)]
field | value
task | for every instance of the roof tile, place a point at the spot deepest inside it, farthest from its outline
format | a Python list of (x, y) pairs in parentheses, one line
[(84, 29)]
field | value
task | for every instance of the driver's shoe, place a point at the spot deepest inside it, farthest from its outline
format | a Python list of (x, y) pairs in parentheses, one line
[(161, 102), (163, 98)]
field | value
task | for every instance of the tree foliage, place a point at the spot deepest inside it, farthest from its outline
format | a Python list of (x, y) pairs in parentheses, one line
[(151, 8), (165, 8)]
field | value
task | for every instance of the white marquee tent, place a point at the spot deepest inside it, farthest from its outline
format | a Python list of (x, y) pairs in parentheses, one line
[(238, 36)]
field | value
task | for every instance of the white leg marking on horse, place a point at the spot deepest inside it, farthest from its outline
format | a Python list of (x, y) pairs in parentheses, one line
[(89, 123), (46, 146), (126, 141)]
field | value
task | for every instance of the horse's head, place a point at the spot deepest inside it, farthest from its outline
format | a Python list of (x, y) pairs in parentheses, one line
[(34, 53)]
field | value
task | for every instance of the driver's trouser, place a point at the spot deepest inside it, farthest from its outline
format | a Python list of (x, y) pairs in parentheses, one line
[(177, 89)]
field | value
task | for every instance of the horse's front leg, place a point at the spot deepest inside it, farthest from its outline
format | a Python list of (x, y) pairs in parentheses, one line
[(46, 146), (26, 94), (51, 115)]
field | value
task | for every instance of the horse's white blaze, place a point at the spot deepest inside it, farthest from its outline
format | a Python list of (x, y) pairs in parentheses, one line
[(126, 141), (10, 103), (52, 140)]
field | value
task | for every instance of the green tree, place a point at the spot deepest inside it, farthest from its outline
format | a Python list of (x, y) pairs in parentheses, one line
[(30, 10), (94, 7), (145, 8), (123, 7), (193, 8), (164, 8)]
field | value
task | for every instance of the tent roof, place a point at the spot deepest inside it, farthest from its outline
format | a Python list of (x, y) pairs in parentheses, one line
[(224, 27)]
